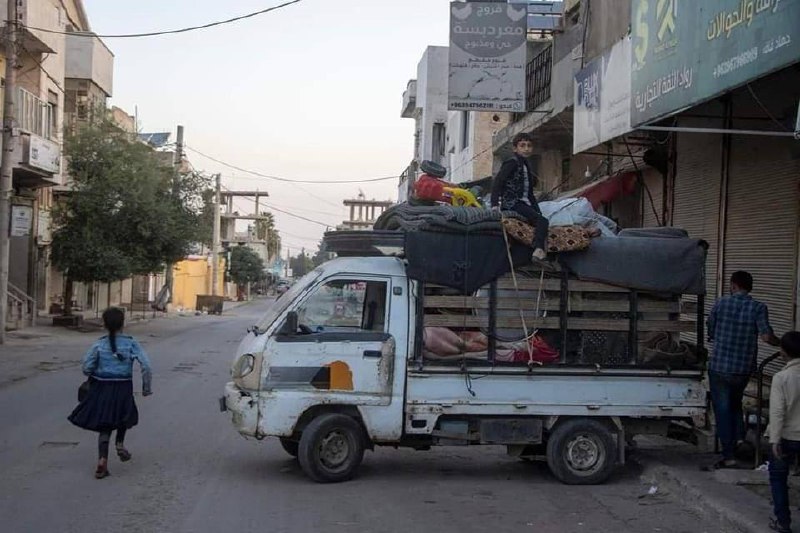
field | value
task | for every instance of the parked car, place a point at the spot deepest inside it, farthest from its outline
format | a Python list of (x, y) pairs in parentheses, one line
[(282, 286)]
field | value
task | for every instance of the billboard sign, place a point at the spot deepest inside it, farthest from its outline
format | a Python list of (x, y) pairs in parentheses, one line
[(603, 98), (488, 55), (686, 52)]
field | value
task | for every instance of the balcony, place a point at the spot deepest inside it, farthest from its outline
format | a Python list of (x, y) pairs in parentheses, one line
[(37, 157), (35, 15), (410, 100), (88, 58)]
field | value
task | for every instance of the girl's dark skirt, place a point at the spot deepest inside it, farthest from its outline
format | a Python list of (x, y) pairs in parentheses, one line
[(108, 406)]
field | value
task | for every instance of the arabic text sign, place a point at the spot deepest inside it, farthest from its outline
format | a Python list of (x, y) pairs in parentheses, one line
[(686, 52), (488, 54), (21, 220), (603, 98)]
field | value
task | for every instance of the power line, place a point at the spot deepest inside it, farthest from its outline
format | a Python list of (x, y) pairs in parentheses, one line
[(41, 66), (168, 32), (780, 124), (305, 191), (313, 211), (288, 180), (297, 216)]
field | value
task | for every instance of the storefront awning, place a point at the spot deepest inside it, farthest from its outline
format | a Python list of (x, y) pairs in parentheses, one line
[(605, 189)]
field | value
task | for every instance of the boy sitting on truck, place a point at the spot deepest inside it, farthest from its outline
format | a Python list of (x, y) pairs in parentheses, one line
[(513, 190), (784, 429)]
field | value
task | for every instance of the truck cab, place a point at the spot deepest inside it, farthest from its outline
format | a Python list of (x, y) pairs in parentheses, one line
[(336, 366)]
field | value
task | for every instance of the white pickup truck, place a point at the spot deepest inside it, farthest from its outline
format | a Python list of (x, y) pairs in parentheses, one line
[(339, 365)]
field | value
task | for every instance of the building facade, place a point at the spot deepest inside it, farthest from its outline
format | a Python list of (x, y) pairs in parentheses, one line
[(46, 60), (461, 141), (702, 137)]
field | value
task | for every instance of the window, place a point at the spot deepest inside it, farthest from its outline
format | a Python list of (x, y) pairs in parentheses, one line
[(465, 116), (52, 112), (345, 305), (439, 142)]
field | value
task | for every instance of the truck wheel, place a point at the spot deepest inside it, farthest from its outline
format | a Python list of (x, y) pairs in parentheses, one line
[(581, 452), (331, 448), (290, 446)]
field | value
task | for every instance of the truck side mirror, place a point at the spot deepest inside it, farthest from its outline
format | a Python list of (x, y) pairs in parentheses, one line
[(290, 326)]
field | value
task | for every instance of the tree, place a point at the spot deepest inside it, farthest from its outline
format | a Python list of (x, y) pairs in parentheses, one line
[(125, 215), (266, 231), (322, 254), (301, 264), (246, 266)]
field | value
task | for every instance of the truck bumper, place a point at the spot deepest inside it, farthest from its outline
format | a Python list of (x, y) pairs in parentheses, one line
[(243, 406)]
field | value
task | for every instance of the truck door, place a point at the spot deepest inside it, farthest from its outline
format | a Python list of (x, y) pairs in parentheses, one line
[(343, 343)]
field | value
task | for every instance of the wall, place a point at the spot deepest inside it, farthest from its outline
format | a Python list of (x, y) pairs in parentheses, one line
[(192, 277), (89, 58), (432, 73), (476, 160), (609, 21)]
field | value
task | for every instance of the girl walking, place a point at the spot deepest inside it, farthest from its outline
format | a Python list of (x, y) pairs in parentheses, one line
[(109, 405)]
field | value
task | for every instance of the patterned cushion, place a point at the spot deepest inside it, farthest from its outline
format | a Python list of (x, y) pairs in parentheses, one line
[(560, 238)]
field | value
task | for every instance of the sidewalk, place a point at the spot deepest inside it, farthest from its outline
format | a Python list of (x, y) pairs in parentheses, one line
[(48, 348), (738, 499)]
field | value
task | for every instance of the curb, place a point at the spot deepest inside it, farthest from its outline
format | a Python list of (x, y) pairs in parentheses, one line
[(735, 508)]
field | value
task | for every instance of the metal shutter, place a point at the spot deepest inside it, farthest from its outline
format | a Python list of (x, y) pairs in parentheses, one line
[(761, 232)]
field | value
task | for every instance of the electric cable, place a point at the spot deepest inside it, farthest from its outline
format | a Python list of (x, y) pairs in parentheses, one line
[(167, 32), (764, 108), (289, 180)]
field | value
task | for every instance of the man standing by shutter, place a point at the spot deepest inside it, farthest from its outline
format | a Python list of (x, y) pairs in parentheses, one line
[(735, 324)]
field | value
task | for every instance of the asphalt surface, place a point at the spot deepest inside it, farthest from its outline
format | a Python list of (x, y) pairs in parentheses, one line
[(191, 472)]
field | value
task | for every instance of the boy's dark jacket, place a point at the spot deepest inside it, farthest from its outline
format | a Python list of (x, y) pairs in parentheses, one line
[(509, 184)]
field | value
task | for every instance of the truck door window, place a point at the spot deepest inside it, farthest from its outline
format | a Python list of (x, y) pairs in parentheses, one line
[(344, 305)]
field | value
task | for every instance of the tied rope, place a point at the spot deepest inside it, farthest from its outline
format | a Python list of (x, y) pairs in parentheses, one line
[(528, 337)]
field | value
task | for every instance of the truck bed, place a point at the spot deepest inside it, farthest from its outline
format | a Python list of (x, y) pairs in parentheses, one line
[(590, 324)]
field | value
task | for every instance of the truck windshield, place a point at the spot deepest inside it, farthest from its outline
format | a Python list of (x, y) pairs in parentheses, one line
[(280, 305)]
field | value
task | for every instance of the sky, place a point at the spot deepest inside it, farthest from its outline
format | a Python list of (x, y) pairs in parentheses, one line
[(312, 91)]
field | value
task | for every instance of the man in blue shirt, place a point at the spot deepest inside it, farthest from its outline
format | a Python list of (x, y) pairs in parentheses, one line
[(735, 325)]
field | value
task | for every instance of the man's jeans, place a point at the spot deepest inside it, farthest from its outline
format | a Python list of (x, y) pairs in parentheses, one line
[(727, 391), (539, 221), (778, 479)]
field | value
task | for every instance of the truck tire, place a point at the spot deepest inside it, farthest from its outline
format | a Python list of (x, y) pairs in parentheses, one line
[(582, 451), (290, 446), (331, 448)]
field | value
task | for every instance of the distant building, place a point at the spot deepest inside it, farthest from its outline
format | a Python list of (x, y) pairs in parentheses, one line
[(363, 212)]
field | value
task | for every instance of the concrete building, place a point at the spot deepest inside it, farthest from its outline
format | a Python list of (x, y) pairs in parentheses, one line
[(46, 62), (460, 141), (425, 101), (363, 212)]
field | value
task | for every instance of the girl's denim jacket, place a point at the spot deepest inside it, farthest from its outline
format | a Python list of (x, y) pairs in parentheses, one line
[(101, 363)]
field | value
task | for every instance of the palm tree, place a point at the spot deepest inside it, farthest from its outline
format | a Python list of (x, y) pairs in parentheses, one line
[(265, 231)]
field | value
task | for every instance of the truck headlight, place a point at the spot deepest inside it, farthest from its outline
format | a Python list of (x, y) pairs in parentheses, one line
[(243, 366)]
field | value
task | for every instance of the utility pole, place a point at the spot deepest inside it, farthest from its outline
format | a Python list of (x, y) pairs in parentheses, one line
[(7, 164), (288, 261), (216, 237), (169, 279)]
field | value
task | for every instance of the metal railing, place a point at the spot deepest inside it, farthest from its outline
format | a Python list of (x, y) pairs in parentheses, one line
[(538, 75), (34, 114), (21, 307)]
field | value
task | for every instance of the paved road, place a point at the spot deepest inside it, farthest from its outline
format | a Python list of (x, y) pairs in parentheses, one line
[(192, 473)]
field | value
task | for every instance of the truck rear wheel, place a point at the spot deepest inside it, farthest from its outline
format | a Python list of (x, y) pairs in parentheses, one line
[(582, 451), (331, 448), (290, 446)]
